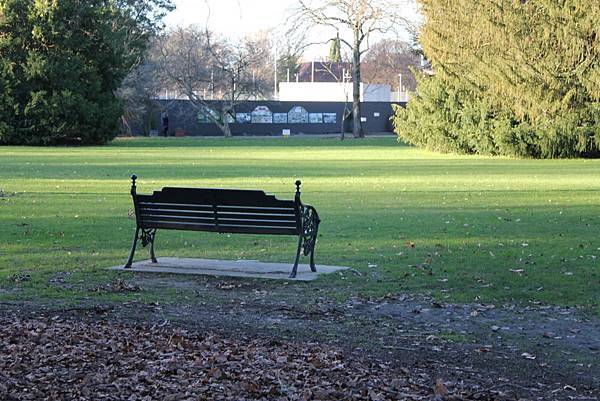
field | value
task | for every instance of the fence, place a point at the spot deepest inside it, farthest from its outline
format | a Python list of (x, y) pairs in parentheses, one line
[(272, 117)]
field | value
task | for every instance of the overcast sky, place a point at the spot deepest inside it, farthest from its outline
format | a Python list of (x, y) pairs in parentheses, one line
[(237, 18)]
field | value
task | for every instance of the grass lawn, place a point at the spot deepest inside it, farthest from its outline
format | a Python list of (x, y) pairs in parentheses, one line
[(461, 228)]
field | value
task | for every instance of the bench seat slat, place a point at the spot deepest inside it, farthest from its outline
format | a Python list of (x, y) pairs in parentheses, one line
[(220, 216), (173, 209), (176, 205), (169, 212), (253, 210), (206, 220), (262, 229), (242, 220), (162, 217), (230, 228), (245, 210), (179, 212), (246, 207), (192, 206)]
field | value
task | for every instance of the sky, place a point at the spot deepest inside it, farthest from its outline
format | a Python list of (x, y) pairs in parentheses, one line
[(236, 18), (230, 16)]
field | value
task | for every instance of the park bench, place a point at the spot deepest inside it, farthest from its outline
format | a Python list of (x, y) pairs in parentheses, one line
[(223, 211)]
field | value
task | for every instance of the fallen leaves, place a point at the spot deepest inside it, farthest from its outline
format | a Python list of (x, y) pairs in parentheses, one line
[(227, 286), (519, 271), (440, 391), (118, 286), (55, 359)]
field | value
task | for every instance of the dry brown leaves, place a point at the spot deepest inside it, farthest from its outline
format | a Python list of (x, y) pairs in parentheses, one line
[(48, 359)]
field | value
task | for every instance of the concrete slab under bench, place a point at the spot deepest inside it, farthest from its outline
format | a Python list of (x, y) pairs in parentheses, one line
[(230, 268)]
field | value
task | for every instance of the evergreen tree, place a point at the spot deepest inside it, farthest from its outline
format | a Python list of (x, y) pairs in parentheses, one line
[(511, 77), (335, 50), (61, 63)]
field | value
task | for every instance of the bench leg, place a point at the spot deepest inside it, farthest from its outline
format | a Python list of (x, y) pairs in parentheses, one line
[(152, 256), (132, 252), (295, 268), (313, 267)]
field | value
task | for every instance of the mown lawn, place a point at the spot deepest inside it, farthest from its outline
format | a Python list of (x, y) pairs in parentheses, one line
[(461, 228)]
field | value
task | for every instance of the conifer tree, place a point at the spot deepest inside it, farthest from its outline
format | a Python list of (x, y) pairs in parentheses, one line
[(335, 50), (61, 63), (524, 73)]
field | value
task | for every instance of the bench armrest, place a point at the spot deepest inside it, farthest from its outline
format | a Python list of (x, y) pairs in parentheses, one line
[(311, 211)]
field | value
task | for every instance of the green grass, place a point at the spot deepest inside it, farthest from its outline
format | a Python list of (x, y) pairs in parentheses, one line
[(484, 229)]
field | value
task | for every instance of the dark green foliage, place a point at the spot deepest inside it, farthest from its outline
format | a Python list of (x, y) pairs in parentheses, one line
[(511, 78), (61, 63)]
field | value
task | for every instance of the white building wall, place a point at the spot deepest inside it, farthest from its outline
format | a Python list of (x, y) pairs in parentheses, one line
[(375, 92), (331, 92)]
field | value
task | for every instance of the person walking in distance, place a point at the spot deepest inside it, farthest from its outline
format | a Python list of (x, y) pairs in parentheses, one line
[(165, 123)]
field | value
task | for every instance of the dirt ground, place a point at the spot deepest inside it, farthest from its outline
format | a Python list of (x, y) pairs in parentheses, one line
[(488, 352)]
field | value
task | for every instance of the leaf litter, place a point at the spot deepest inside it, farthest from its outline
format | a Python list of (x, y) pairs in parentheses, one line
[(55, 358)]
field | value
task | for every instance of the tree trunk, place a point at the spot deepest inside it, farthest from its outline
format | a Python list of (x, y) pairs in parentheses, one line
[(226, 130), (225, 122), (345, 115), (357, 129)]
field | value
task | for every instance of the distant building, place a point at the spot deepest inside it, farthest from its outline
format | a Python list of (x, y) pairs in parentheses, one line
[(326, 81), (332, 92), (324, 71)]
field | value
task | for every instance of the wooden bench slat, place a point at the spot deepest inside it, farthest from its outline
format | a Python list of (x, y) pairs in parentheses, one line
[(223, 229), (254, 207), (178, 208), (278, 223), (230, 228), (240, 205), (220, 221), (158, 217), (230, 209), (177, 212), (220, 216), (267, 216), (170, 212), (176, 205), (179, 226), (253, 217)]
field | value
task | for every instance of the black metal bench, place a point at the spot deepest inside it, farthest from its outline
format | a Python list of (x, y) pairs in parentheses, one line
[(223, 211)]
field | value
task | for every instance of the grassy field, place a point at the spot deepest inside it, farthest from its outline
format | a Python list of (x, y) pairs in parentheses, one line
[(463, 229)]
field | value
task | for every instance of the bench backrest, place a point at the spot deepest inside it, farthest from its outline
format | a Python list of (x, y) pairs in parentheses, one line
[(218, 210)]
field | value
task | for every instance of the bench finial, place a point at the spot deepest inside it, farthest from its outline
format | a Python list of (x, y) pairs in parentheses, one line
[(133, 179), (298, 183)]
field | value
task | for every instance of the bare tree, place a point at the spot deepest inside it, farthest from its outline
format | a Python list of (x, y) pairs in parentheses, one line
[(290, 44), (137, 92), (361, 19), (214, 73), (137, 22), (388, 59)]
